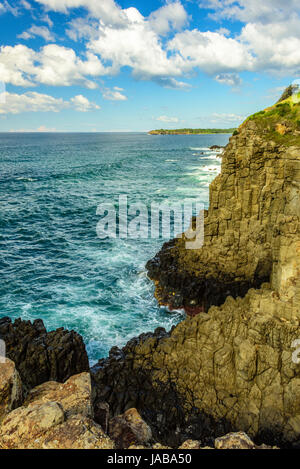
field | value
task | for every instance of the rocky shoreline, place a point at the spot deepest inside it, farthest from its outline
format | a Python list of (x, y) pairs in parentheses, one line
[(225, 377), (68, 414)]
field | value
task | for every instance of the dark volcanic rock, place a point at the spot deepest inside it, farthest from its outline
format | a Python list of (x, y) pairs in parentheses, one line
[(177, 287), (129, 429), (42, 356), (124, 383)]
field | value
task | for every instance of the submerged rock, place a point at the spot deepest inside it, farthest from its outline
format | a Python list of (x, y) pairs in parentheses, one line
[(42, 356)]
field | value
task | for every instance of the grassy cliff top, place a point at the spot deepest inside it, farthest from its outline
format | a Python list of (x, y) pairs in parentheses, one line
[(281, 122), (190, 131)]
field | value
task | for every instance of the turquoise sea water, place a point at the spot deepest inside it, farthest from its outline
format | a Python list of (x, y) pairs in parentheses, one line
[(52, 264)]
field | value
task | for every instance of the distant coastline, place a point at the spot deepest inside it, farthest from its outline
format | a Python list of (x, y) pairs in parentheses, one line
[(191, 131)]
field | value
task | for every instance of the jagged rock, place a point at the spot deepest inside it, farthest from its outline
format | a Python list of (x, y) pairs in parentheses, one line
[(129, 429), (24, 425), (11, 388), (42, 356), (231, 367), (252, 225), (55, 416), (74, 396), (76, 433), (234, 441)]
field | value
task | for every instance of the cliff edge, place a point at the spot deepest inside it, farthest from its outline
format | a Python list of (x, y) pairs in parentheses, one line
[(229, 366)]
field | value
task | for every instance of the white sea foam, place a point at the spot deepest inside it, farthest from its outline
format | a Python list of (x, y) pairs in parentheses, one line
[(199, 148)]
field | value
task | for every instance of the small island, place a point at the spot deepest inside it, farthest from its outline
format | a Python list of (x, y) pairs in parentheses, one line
[(191, 131)]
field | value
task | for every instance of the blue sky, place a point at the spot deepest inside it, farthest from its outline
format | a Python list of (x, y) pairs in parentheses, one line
[(136, 65)]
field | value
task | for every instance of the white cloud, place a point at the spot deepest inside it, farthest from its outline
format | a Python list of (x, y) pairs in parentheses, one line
[(82, 28), (230, 79), (47, 19), (6, 7), (252, 10), (16, 65), (41, 31), (107, 10), (136, 46), (212, 52), (82, 104), (42, 128), (168, 120), (170, 16), (115, 38), (114, 94), (271, 32), (52, 65), (25, 4), (224, 118), (37, 102), (276, 45), (171, 83)]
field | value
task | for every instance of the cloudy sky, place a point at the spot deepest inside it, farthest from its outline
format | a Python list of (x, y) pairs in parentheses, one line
[(135, 65)]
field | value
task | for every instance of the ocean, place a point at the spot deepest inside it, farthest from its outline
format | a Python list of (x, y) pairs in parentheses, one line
[(53, 265)]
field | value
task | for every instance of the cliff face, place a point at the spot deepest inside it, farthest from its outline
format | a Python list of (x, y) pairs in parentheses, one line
[(229, 366), (250, 229)]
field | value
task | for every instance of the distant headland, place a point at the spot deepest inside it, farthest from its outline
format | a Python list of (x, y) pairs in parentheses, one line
[(191, 131)]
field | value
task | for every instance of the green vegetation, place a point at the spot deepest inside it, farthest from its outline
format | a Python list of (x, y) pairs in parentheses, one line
[(281, 122), (191, 131)]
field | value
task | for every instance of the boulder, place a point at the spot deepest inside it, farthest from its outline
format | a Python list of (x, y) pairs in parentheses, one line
[(42, 356), (23, 426), (129, 429), (76, 433), (74, 396), (55, 416), (11, 388)]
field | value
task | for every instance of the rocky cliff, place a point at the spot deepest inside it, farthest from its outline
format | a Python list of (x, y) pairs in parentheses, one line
[(229, 366), (41, 356)]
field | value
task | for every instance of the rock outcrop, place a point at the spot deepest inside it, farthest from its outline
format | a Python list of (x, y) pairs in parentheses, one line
[(129, 429), (42, 356), (11, 388), (55, 416), (251, 228), (230, 366)]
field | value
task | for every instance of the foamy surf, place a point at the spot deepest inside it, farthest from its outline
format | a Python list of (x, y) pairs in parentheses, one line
[(56, 267)]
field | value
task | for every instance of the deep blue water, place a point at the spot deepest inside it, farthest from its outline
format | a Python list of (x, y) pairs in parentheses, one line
[(53, 266)]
